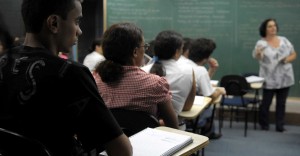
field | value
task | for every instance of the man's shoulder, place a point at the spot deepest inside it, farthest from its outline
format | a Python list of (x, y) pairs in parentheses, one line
[(44, 57), (200, 68)]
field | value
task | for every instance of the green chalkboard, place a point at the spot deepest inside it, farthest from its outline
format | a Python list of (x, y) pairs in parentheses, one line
[(233, 24)]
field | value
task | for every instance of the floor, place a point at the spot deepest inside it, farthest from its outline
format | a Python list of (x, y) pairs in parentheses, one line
[(257, 143)]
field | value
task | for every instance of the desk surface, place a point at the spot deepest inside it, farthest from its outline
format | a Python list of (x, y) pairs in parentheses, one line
[(256, 85), (195, 110), (199, 141)]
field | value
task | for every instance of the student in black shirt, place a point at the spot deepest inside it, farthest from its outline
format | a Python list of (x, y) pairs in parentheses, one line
[(50, 99)]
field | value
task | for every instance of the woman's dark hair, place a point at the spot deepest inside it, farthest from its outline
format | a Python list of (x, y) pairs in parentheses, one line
[(96, 42), (263, 27), (201, 49), (35, 12), (118, 44), (165, 46)]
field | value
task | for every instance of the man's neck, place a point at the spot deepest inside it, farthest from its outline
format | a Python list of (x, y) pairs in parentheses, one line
[(37, 41)]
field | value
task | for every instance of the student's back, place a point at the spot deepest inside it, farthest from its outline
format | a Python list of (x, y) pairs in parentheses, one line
[(122, 84), (50, 99), (38, 92), (168, 48)]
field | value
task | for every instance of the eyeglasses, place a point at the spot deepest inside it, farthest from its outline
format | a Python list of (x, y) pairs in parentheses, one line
[(146, 46)]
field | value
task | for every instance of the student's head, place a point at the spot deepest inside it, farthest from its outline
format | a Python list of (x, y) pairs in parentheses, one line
[(268, 25), (122, 45), (57, 20), (96, 44), (168, 44), (201, 49), (6, 40), (186, 46)]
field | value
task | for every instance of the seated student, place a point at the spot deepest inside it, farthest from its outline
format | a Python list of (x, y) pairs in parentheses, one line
[(122, 84), (199, 54), (168, 48), (33, 91), (184, 58), (150, 50), (95, 56), (149, 53)]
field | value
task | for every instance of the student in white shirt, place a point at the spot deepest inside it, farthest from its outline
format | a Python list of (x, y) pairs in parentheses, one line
[(95, 56), (168, 48), (199, 55)]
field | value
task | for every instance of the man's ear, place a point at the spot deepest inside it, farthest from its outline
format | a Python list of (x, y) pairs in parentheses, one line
[(52, 23)]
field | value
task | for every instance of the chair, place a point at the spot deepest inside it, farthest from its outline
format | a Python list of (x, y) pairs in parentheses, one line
[(255, 101), (13, 144), (132, 121), (236, 87)]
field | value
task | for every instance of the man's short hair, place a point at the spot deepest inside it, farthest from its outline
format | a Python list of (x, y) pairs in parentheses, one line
[(35, 12), (201, 49)]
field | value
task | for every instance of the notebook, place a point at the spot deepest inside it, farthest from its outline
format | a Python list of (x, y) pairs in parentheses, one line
[(154, 142)]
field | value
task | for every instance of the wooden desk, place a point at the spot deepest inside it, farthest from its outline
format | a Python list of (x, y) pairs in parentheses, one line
[(200, 103), (199, 141), (196, 109)]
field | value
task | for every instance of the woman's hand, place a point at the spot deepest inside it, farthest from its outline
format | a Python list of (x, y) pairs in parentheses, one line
[(259, 52)]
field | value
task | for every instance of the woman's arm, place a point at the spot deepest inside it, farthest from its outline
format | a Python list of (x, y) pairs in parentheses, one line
[(290, 58)]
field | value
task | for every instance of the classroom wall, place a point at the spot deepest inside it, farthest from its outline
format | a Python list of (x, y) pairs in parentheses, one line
[(11, 12), (233, 24), (91, 25)]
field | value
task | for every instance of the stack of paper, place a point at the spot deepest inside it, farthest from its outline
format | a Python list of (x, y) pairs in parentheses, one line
[(199, 100), (253, 79), (214, 82)]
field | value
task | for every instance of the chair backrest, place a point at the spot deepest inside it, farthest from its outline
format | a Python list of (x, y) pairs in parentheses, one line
[(235, 85), (134, 121), (13, 144)]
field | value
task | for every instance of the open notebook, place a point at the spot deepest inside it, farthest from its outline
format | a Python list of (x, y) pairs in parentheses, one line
[(154, 142)]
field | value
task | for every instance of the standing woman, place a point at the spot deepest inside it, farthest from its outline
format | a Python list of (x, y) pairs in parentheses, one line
[(275, 55)]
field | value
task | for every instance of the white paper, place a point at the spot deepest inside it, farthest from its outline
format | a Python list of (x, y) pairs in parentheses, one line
[(253, 79), (199, 100)]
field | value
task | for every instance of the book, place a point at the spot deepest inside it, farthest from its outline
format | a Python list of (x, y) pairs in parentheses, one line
[(253, 79), (154, 142)]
